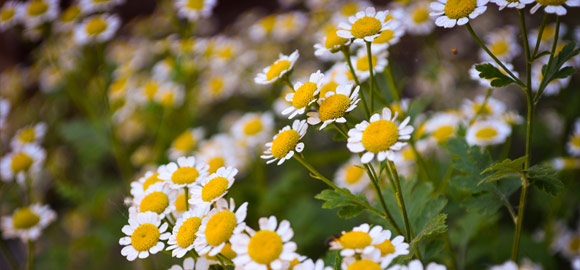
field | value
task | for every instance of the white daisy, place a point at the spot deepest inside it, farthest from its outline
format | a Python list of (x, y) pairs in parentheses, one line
[(189, 264), (369, 260), (329, 44), (268, 248), (380, 137), (493, 107), (288, 26), (97, 29), (185, 231), (253, 129), (573, 144), (273, 73), (221, 150), (218, 227), (442, 126), (286, 142), (32, 134), (158, 198), (388, 37), (489, 132), (193, 10), (502, 43), (305, 94), (334, 105), (186, 142), (519, 4), (474, 74), (213, 187), (352, 175), (145, 234), (263, 28), (366, 25), (311, 265), (171, 95), (36, 12), (360, 240), (456, 12), (141, 185), (27, 222), (217, 87), (90, 6), (392, 248), (417, 265), (9, 15), (418, 21), (361, 63), (547, 38), (555, 6), (23, 162), (183, 174)]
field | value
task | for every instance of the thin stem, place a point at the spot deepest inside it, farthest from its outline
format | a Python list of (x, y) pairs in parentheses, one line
[(375, 180), (550, 60), (286, 80), (527, 51), (340, 130), (540, 33), (482, 45), (507, 204), (30, 252), (482, 107), (346, 53), (392, 84), (400, 199), (372, 76), (520, 219), (449, 248), (186, 198)]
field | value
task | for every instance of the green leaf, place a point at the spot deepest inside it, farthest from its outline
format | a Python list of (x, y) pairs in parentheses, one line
[(544, 177), (470, 162), (435, 226), (565, 72), (555, 70), (539, 55), (505, 169), (496, 77), (335, 199), (486, 203)]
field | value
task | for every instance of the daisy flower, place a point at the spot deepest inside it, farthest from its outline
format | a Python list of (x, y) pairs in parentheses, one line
[(392, 248), (489, 132), (510, 265), (366, 25), (417, 265), (97, 29), (554, 6), (456, 12), (158, 198), (9, 15), (352, 175), (183, 174), (329, 44), (381, 137), (502, 43), (213, 187), (311, 265), (220, 224), (171, 95), (418, 21), (29, 135), (388, 37), (186, 142), (519, 4), (474, 73), (286, 142), (144, 235), (442, 126), (349, 8), (273, 73), (185, 231), (21, 162), (289, 25), (547, 38), (370, 260), (573, 144), (119, 88), (27, 222), (493, 107), (141, 185), (305, 94), (565, 163), (334, 106), (189, 264), (91, 6), (263, 28), (222, 150), (361, 63), (193, 10), (217, 87), (36, 12), (268, 248), (253, 129)]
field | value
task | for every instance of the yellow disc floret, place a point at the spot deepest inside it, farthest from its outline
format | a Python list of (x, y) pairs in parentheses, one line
[(333, 41), (353, 174), (184, 142), (220, 227), (96, 26), (284, 143), (215, 163), (384, 37), (277, 68), (333, 107), (195, 4), (386, 248), (457, 9), (366, 26), (304, 95), (180, 203), (328, 87), (364, 265), (151, 180), (380, 136), (21, 162), (186, 233), (443, 133), (362, 63), (155, 202), (184, 175), (355, 240), (486, 133), (145, 237), (27, 135), (499, 48), (265, 247), (551, 2), (24, 218), (7, 14), (420, 15), (253, 127), (36, 8), (70, 13), (214, 188)]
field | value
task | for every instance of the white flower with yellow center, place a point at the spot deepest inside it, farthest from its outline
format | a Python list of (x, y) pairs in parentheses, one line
[(417, 265), (510, 265), (171, 95), (573, 144), (547, 38), (185, 231), (442, 126), (23, 162), (145, 235), (362, 65), (97, 29), (489, 132), (273, 73), (311, 265), (222, 150), (456, 12), (352, 175), (32, 134), (555, 6), (305, 94), (334, 106), (193, 10), (553, 87), (388, 37), (186, 142), (27, 222), (417, 20), (158, 198), (218, 227), (253, 129), (217, 87), (339, 73), (392, 248), (263, 28), (36, 12), (492, 108), (329, 44), (366, 25), (141, 185), (474, 73), (361, 240), (348, 8), (289, 25), (519, 4), (189, 264), (380, 138), (185, 173), (286, 142), (268, 248), (511, 118), (91, 6), (9, 15), (119, 88), (367, 261), (502, 43), (213, 187)]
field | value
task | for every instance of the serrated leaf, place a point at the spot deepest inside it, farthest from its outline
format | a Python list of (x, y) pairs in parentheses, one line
[(335, 199), (565, 72), (555, 70), (545, 178), (492, 73), (435, 226), (505, 169)]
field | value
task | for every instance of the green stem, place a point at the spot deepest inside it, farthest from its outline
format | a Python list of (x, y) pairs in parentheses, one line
[(540, 33), (482, 107), (520, 218), (30, 252), (449, 248), (526, 51), (544, 82), (375, 180), (482, 45), (287, 82), (372, 76), (400, 200), (391, 81), (346, 53), (186, 198)]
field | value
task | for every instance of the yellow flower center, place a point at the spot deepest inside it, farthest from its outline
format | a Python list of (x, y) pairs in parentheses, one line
[(167, 100), (420, 15), (265, 247), (70, 14), (184, 175), (443, 133), (384, 37), (220, 228), (150, 89), (228, 251), (36, 8), (551, 2), (486, 133), (118, 86), (362, 63), (484, 110), (180, 203), (195, 4), (96, 26), (216, 85), (575, 141), (154, 202), (304, 95), (349, 9), (151, 180), (27, 135), (364, 265), (7, 14), (380, 136), (145, 237), (456, 9), (226, 52), (408, 154), (574, 244), (329, 87), (24, 219), (353, 174), (333, 107), (21, 162), (214, 188), (215, 163), (366, 26), (355, 240), (333, 40), (268, 23), (499, 48), (253, 127), (386, 248), (284, 143), (184, 142), (548, 33), (277, 68), (186, 233)]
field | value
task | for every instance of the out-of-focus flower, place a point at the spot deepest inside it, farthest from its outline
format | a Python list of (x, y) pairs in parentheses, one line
[(27, 222), (417, 265), (9, 15), (186, 142), (442, 126), (193, 10), (519, 4), (362, 65), (352, 175), (36, 12), (489, 132), (91, 6), (33, 134), (573, 144), (97, 29), (417, 19), (502, 43), (23, 162)]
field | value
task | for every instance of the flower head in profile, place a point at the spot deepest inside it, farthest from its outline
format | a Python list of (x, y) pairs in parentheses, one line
[(32, 134), (352, 175), (573, 144), (9, 15), (456, 12), (97, 29), (330, 43), (186, 142), (380, 137), (286, 142), (366, 25), (489, 132), (91, 6), (305, 94), (189, 263), (417, 20), (442, 126), (274, 72), (555, 6), (27, 222), (334, 105), (36, 12), (144, 235)]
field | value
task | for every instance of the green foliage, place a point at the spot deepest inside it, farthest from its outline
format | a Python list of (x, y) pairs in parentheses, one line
[(434, 227), (496, 77), (349, 208), (544, 177), (555, 70), (505, 169)]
